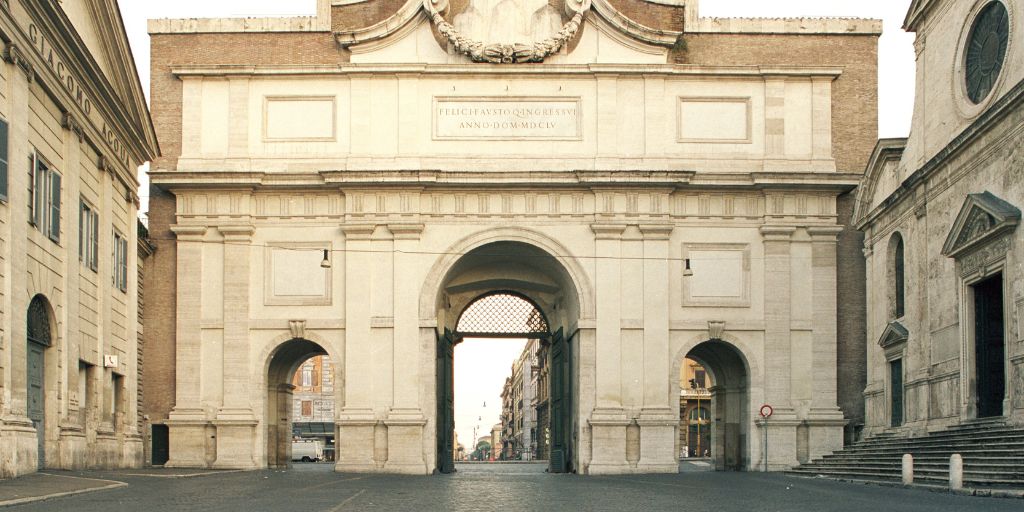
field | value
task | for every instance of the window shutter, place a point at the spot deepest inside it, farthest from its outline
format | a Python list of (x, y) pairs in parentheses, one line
[(54, 227), (83, 236), (3, 158), (94, 243), (35, 190), (124, 264)]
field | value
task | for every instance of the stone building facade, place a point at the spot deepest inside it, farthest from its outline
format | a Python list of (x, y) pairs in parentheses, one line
[(351, 184), (519, 414), (74, 127), (940, 211), (695, 421)]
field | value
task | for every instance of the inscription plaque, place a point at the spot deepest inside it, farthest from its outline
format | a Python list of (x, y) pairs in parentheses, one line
[(500, 118)]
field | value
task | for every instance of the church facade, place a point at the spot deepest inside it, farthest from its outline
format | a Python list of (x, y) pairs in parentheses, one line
[(940, 211), (624, 180), (74, 128)]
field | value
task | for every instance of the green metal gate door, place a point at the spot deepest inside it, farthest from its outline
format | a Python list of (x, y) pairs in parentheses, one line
[(36, 409), (561, 403), (445, 403)]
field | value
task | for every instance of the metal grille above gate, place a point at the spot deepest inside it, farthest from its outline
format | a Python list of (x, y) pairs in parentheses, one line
[(503, 314), (38, 322)]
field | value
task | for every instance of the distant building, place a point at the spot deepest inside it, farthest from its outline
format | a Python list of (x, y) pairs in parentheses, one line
[(695, 421), (518, 398), (313, 403)]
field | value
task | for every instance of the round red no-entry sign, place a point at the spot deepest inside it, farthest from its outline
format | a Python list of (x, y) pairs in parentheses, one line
[(766, 411)]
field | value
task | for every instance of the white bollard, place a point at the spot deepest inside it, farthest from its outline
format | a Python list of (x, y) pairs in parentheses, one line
[(908, 469), (956, 472)]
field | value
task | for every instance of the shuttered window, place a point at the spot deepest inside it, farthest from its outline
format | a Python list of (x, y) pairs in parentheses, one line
[(88, 235), (44, 198), (3, 159), (119, 274)]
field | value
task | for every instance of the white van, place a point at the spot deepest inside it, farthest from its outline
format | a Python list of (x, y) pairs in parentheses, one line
[(307, 450)]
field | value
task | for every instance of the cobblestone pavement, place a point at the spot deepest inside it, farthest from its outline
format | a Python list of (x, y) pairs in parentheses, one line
[(315, 488)]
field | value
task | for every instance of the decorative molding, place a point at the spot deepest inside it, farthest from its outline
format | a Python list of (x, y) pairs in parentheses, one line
[(189, 233), (777, 233), (608, 231), (983, 218), (297, 328), (236, 233), (657, 231), (501, 53), (894, 334), (358, 231), (14, 55), (716, 329), (71, 124), (406, 231)]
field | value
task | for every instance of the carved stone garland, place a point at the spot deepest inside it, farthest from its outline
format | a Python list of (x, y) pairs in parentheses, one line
[(507, 53)]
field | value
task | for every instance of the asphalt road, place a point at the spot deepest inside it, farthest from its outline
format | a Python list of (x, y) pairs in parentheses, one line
[(315, 488)]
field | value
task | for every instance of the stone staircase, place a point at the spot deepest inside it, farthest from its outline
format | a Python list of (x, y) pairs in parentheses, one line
[(993, 455)]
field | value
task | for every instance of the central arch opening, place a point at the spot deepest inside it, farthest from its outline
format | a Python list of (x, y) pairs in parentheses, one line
[(506, 312)]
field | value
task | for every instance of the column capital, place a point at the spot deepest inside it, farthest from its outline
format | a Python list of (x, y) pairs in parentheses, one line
[(358, 231), (657, 231), (777, 233), (824, 234), (406, 231), (189, 233), (236, 233), (608, 231)]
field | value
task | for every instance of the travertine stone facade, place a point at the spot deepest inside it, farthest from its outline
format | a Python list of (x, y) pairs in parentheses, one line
[(949, 196), (584, 183), (77, 128)]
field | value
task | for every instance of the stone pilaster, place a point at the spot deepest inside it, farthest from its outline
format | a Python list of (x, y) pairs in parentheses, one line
[(778, 348), (826, 421), (405, 420), (356, 420), (187, 422), (608, 421), (659, 417), (236, 422)]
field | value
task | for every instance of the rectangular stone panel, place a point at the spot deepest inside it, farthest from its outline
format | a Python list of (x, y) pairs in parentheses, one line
[(722, 120), (721, 275), (511, 119), (299, 118), (294, 275)]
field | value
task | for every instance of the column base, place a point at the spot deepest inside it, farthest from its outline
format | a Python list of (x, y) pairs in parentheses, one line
[(235, 443), (608, 442), (355, 444), (658, 441), (405, 442), (189, 436), (19, 447)]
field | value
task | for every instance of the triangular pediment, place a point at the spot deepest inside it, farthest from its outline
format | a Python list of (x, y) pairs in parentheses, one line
[(894, 334), (982, 218)]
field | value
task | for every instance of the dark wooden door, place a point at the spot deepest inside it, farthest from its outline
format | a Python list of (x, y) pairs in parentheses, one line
[(896, 400), (446, 402), (560, 399), (161, 445), (989, 346), (37, 396)]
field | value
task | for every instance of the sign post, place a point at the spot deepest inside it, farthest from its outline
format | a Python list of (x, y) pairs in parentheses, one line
[(766, 412)]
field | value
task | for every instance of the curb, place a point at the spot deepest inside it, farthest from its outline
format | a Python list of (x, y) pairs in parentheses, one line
[(189, 475), (966, 491), (32, 499)]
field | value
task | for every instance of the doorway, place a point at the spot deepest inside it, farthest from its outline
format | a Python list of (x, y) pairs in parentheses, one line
[(39, 336), (989, 346)]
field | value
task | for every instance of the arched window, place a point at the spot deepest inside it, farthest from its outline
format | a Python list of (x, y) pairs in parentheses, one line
[(699, 414), (899, 280)]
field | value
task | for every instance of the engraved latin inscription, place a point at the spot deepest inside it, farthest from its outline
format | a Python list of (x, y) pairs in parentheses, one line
[(507, 119)]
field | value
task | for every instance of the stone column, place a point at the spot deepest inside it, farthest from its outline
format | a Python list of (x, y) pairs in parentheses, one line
[(826, 420), (778, 346), (608, 421), (236, 422), (187, 422), (356, 420), (405, 420), (658, 419)]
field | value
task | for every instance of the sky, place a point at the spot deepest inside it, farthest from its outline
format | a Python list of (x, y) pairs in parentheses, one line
[(477, 380)]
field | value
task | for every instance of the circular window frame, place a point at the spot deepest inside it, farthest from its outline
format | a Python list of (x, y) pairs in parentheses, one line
[(965, 105)]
